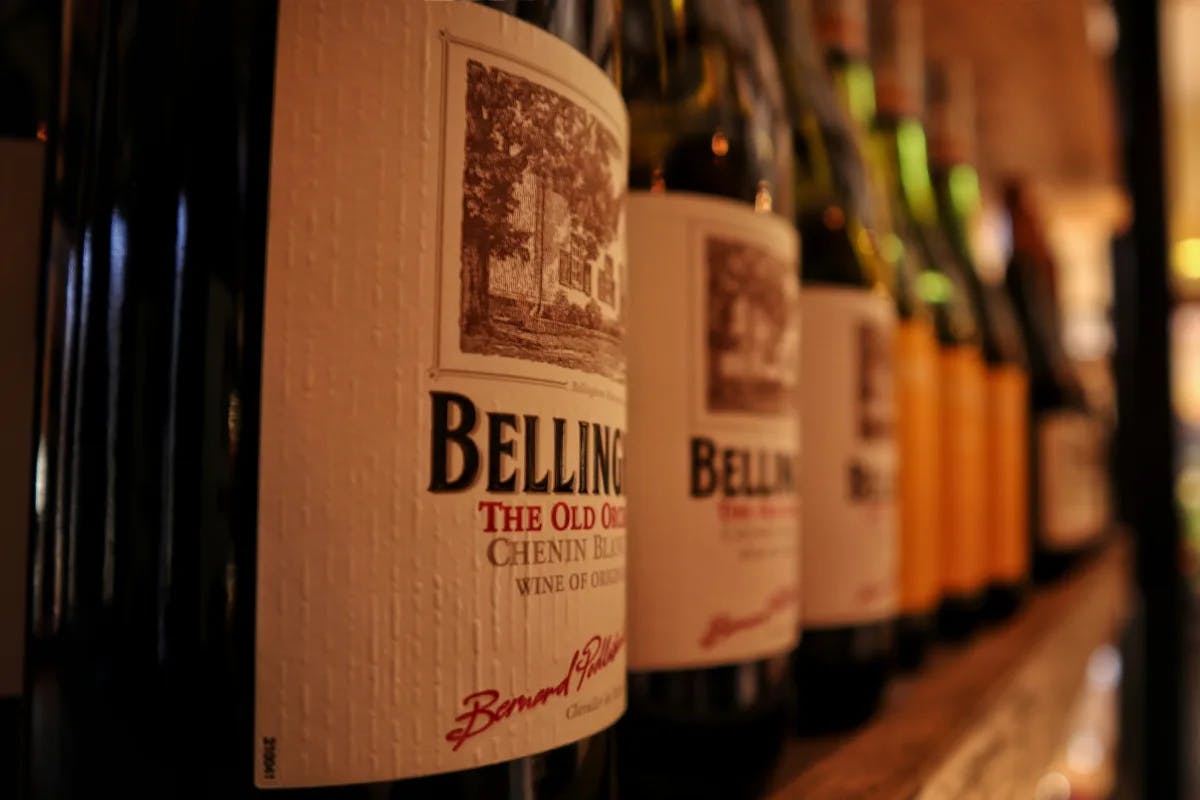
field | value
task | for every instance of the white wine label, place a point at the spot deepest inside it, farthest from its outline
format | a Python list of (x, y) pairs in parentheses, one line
[(1072, 479), (714, 373), (850, 567), (441, 546)]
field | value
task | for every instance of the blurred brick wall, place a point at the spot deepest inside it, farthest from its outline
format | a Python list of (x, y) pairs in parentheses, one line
[(1044, 95)]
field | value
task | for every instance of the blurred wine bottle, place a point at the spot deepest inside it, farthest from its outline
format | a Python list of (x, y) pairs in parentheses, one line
[(28, 49), (956, 184), (849, 572), (896, 55), (1068, 465), (714, 556), (840, 26)]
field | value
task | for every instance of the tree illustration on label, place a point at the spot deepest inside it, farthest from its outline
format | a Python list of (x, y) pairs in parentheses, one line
[(542, 209), (753, 345)]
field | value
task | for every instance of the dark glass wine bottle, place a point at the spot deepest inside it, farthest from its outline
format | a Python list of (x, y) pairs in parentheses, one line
[(262, 553), (956, 184), (28, 37), (850, 570), (714, 556), (841, 28), (896, 55), (1068, 506)]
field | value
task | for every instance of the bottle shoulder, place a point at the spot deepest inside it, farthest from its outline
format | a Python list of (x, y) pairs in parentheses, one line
[(705, 114)]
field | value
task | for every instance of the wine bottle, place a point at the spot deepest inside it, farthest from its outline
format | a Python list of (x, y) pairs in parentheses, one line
[(899, 71), (27, 58), (956, 184), (713, 490), (841, 28), (1068, 480), (849, 565), (330, 488)]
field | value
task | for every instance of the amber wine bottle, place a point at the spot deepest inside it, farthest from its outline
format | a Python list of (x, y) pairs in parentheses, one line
[(1006, 450), (896, 55)]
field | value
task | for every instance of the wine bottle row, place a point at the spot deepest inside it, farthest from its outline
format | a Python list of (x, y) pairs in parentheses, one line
[(540, 399)]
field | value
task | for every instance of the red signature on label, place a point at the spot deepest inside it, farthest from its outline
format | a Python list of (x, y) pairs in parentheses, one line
[(723, 626), (484, 708)]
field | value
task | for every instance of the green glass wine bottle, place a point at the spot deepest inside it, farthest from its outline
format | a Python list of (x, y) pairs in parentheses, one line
[(849, 564), (1069, 511), (298, 343), (841, 28), (713, 488)]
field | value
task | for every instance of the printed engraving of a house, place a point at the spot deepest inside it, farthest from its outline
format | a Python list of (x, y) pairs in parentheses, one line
[(543, 195), (555, 266)]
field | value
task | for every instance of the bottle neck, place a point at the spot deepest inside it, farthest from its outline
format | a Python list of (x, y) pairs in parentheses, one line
[(1029, 243), (703, 98), (957, 187), (841, 24), (906, 145), (962, 189), (855, 84), (799, 71)]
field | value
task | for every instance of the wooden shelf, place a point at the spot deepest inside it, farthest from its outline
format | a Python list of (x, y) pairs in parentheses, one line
[(980, 720)]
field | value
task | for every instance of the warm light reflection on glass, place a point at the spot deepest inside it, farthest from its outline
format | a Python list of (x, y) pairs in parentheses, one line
[(833, 218), (1187, 488), (1185, 362), (1053, 786), (762, 198), (42, 133), (991, 241), (1085, 753), (1185, 259), (865, 243), (679, 11), (658, 183), (720, 145)]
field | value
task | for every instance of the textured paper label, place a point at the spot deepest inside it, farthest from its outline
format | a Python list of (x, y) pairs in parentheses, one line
[(850, 567), (441, 512), (964, 469), (1073, 480), (1008, 473), (918, 440), (714, 375)]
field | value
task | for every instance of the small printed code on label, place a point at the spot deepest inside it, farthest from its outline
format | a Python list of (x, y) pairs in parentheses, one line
[(268, 757)]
